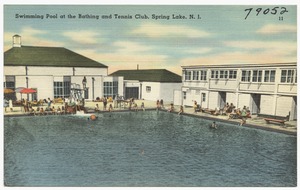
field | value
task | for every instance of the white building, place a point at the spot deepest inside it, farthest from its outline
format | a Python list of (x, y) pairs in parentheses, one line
[(267, 89), (150, 84), (56, 72)]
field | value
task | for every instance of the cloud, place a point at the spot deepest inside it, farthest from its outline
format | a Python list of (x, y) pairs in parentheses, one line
[(29, 31), (276, 29), (83, 36), (117, 61), (30, 37), (127, 47), (281, 47), (199, 50), (249, 52), (159, 30)]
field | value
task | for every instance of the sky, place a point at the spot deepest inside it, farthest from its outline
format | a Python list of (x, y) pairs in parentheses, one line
[(209, 35)]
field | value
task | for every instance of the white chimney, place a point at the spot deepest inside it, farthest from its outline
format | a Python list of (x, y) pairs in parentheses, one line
[(16, 41)]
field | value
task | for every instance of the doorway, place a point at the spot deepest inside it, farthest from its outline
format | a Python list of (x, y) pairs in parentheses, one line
[(255, 103), (132, 92), (222, 100)]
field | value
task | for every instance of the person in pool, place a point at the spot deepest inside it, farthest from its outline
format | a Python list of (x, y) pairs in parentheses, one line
[(181, 110), (213, 125)]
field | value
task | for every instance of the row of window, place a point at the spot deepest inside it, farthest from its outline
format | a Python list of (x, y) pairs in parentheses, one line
[(223, 74), (197, 75), (110, 89), (287, 75), (63, 89)]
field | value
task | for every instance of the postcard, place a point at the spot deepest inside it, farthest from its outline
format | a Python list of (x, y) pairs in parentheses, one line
[(156, 95)]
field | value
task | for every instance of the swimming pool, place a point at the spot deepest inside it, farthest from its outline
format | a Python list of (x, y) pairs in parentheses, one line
[(144, 149)]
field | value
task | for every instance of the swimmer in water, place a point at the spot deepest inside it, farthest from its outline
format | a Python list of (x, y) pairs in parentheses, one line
[(213, 125), (142, 152)]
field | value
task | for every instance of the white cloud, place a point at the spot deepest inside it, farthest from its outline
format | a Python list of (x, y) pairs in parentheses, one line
[(281, 47), (127, 47), (277, 28), (30, 37), (199, 50), (83, 36), (159, 30)]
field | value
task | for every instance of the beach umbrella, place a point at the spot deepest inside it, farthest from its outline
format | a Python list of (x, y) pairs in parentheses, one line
[(8, 91), (27, 91), (19, 89)]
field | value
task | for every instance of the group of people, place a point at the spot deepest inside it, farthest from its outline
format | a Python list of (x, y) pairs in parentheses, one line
[(172, 109), (48, 110), (132, 105), (234, 113), (97, 108), (160, 104)]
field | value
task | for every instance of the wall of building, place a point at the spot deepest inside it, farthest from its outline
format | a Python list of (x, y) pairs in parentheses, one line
[(14, 70), (284, 105), (55, 71), (167, 91), (43, 84), (90, 71), (213, 99), (177, 97), (231, 98), (244, 100), (154, 94), (250, 87), (287, 88), (222, 84), (267, 104), (204, 104)]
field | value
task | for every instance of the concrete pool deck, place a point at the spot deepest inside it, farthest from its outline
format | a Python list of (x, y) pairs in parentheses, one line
[(254, 122)]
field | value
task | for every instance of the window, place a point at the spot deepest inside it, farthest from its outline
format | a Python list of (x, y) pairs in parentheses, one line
[(110, 89), (148, 88), (195, 75), (246, 76), (187, 75), (232, 74), (203, 75), (86, 93), (10, 82), (214, 74), (225, 74), (58, 89), (287, 76), (34, 95), (221, 74), (62, 89), (203, 97), (269, 76), (256, 76)]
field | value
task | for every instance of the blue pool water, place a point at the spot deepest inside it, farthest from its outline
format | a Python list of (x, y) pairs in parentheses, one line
[(143, 149)]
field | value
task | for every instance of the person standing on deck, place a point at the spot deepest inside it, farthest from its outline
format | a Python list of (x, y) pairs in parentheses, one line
[(104, 103)]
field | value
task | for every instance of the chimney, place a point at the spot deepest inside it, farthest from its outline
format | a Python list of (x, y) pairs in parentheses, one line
[(16, 41), (137, 67)]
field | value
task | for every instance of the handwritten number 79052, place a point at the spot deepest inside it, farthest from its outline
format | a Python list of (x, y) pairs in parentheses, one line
[(273, 11)]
